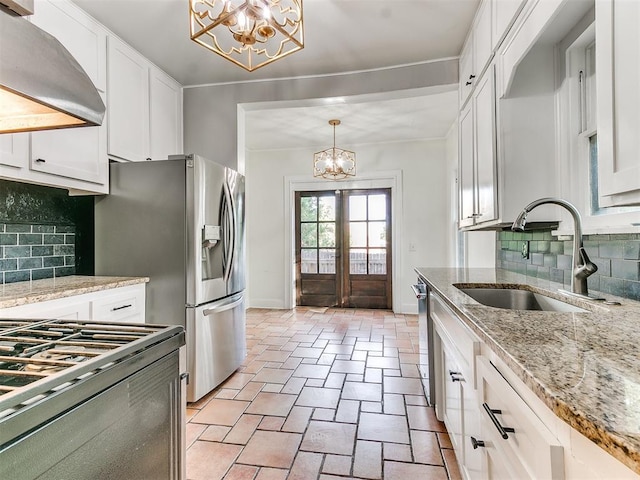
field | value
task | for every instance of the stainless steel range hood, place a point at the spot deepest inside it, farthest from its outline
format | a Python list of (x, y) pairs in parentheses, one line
[(41, 85)]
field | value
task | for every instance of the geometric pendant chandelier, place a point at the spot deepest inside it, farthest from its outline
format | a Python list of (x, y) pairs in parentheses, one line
[(249, 33), (334, 163)]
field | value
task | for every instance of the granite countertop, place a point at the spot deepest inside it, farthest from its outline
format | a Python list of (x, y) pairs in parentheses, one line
[(584, 366), (22, 293)]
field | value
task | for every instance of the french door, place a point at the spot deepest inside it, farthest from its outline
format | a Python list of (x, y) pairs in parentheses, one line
[(343, 248)]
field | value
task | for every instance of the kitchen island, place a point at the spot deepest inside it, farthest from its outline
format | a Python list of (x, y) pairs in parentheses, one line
[(584, 366)]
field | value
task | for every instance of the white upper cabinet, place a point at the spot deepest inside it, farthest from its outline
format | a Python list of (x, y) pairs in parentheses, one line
[(165, 128), (618, 101), (145, 107), (476, 53), (14, 150), (482, 39), (72, 158), (504, 13), (79, 33), (478, 159), (128, 82)]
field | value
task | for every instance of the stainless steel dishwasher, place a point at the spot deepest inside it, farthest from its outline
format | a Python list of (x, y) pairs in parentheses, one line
[(425, 332)]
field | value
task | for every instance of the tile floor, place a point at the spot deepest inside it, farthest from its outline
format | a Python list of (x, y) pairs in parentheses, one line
[(323, 394)]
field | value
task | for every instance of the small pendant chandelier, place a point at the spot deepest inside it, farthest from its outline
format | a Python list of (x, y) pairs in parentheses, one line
[(334, 163), (249, 33)]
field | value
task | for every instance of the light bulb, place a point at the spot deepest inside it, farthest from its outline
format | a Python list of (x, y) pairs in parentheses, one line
[(242, 21)]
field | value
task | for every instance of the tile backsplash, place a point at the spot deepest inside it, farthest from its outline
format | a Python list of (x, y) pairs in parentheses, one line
[(32, 252), (44, 233), (617, 257)]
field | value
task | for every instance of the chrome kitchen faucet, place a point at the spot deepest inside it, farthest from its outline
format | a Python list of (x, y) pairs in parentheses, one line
[(583, 267)]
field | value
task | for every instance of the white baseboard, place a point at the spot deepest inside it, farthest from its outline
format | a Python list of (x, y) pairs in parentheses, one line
[(410, 308), (265, 303)]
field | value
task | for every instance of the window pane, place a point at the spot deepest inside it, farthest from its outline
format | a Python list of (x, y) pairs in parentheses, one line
[(327, 208), (357, 234), (377, 261), (327, 261), (308, 261), (377, 234), (308, 209), (377, 207), (327, 235), (309, 234), (358, 261), (358, 207)]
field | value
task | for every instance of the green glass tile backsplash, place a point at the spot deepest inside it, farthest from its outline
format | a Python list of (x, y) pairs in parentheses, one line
[(617, 257)]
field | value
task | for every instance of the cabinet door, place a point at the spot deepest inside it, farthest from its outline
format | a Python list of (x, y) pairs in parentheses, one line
[(465, 169), (81, 35), (78, 153), (482, 36), (14, 149), (618, 100), (128, 102), (504, 13), (452, 380), (466, 71), (485, 148), (165, 116)]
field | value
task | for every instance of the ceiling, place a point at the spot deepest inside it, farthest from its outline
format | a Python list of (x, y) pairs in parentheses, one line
[(340, 36)]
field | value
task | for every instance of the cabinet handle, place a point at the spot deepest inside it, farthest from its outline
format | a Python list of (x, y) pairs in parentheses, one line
[(468, 83), (475, 443), (492, 415), (184, 376), (472, 76), (40, 160), (455, 377), (474, 215), (121, 307)]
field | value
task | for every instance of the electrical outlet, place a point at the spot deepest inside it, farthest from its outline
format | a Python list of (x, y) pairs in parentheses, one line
[(525, 249)]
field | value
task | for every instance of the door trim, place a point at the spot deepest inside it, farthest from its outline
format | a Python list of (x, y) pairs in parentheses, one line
[(389, 179)]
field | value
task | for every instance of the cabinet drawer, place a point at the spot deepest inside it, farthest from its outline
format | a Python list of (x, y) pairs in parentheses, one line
[(452, 331), (529, 445), (124, 306)]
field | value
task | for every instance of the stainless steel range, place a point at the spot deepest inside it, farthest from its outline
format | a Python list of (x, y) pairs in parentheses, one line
[(88, 400)]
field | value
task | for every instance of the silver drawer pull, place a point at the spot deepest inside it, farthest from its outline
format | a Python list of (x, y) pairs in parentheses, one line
[(121, 307), (492, 415)]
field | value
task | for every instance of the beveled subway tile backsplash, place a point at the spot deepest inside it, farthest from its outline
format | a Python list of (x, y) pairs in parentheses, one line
[(617, 257), (33, 252)]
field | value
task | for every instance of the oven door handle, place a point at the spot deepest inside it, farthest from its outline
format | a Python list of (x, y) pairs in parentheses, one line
[(418, 291)]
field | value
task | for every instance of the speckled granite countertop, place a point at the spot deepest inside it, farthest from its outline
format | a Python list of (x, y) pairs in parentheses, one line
[(22, 293), (584, 366)]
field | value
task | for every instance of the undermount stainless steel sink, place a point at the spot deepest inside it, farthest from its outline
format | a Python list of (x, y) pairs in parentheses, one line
[(517, 299)]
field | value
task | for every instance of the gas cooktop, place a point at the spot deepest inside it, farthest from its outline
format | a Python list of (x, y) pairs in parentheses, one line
[(39, 355)]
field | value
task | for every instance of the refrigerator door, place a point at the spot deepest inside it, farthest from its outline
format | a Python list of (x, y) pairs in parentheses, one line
[(216, 344), (207, 230), (235, 268)]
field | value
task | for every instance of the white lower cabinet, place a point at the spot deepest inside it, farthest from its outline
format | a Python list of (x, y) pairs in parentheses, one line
[(519, 443), (498, 427), (457, 404), (122, 304)]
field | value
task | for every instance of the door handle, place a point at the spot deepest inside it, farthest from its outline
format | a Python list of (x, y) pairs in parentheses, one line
[(222, 308), (417, 289)]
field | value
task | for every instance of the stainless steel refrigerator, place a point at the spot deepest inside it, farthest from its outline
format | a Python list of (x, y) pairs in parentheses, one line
[(181, 223)]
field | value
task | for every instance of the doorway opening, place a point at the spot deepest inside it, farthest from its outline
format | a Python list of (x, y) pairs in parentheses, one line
[(343, 248)]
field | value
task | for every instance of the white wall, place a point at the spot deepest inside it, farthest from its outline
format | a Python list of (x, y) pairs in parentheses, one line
[(424, 221)]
